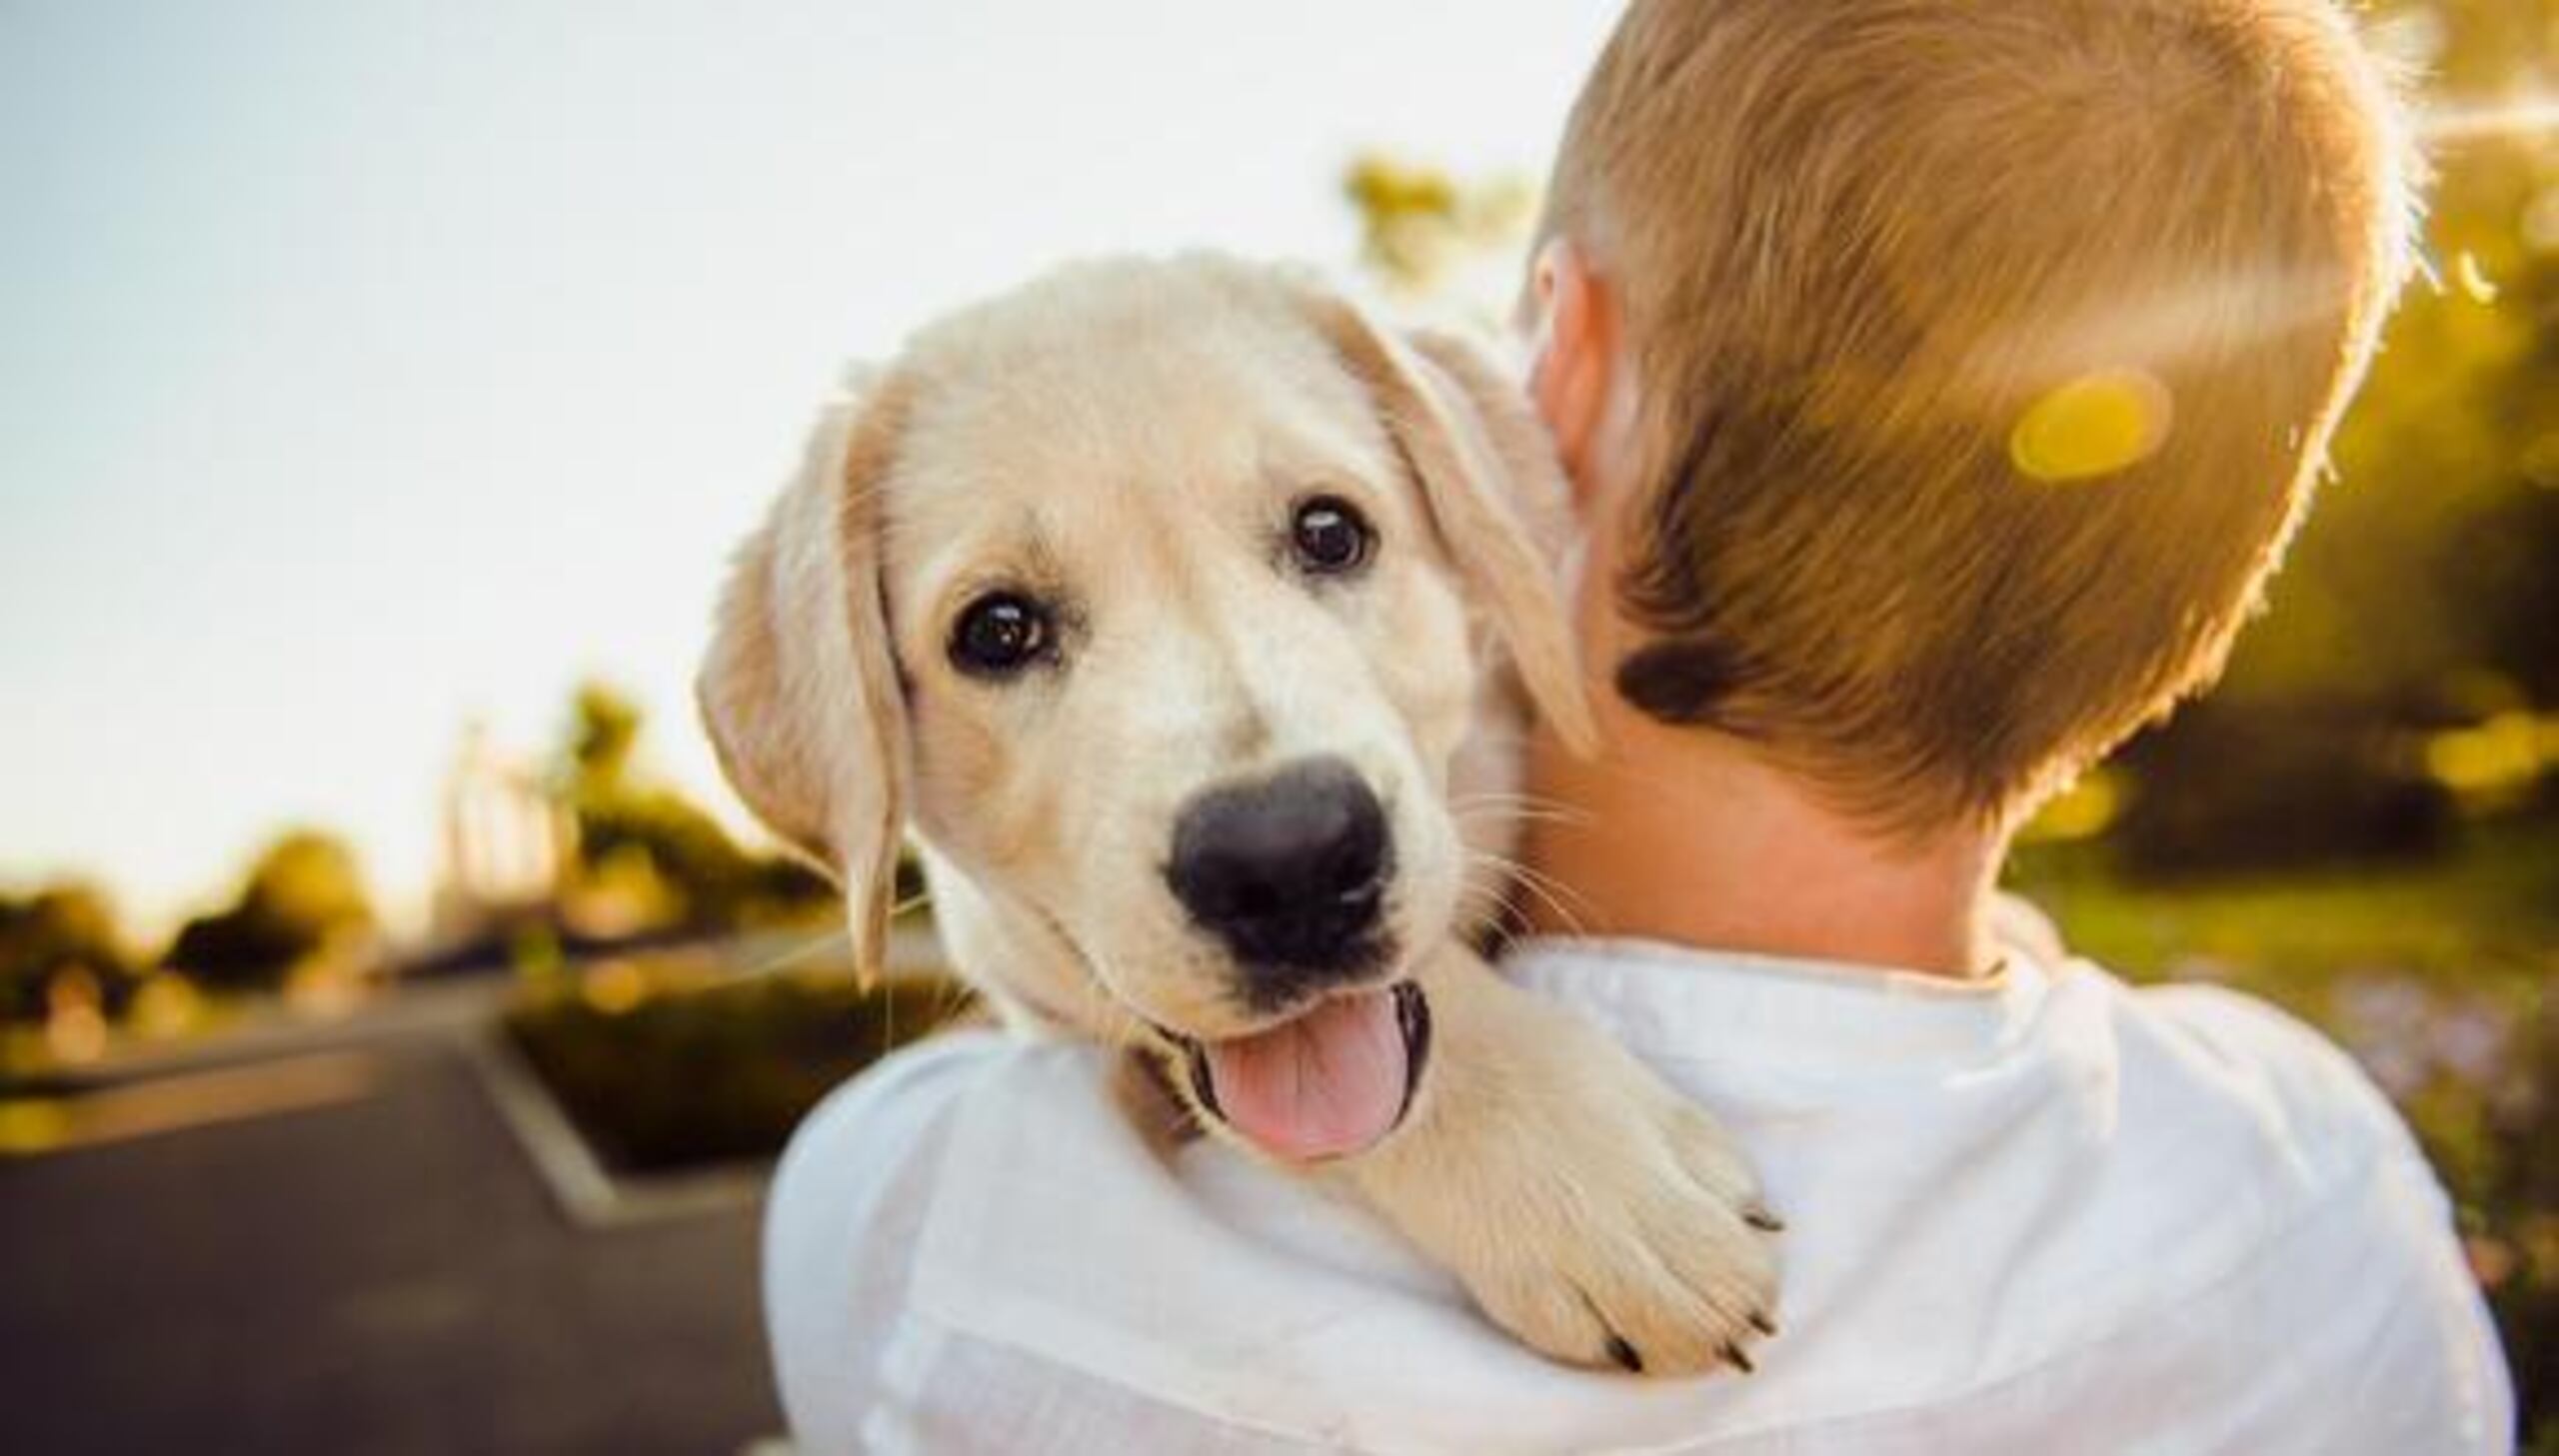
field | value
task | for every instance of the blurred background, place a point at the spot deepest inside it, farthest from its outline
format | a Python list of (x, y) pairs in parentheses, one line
[(396, 1017)]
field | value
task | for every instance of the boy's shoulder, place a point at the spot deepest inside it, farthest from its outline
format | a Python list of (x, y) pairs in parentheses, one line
[(870, 1148), (852, 1204), (2300, 1087)]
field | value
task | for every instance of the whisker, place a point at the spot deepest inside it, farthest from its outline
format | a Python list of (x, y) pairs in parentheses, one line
[(1479, 814), (1119, 1023), (1550, 891), (1572, 922), (799, 955), (1519, 806), (953, 1000)]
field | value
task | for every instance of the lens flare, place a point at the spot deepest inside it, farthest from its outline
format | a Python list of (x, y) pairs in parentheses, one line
[(2531, 116), (2093, 426)]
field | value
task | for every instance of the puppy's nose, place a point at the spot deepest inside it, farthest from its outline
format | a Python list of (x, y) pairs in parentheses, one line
[(1289, 872)]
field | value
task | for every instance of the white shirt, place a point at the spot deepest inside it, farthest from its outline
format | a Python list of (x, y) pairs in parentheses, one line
[(2049, 1213)]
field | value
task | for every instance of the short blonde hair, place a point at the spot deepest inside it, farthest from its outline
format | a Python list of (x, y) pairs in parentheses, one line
[(1864, 249)]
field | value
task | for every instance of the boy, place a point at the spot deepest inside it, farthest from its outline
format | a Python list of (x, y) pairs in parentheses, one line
[(1939, 383)]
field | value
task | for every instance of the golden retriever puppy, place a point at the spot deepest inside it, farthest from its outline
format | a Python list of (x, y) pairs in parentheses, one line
[(1183, 614)]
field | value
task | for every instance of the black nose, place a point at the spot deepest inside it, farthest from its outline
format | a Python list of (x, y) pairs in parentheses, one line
[(1289, 872)]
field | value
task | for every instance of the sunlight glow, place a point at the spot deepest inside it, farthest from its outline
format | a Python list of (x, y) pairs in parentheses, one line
[(2541, 222), (463, 396), (2161, 326)]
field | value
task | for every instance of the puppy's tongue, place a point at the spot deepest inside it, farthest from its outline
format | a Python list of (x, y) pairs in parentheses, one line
[(1328, 1083)]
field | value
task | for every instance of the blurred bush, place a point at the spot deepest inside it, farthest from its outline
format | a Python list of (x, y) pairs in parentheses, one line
[(62, 935), (662, 1066), (2232, 787)]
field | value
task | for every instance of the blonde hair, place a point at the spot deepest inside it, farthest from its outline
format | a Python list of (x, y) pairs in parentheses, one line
[(1986, 355)]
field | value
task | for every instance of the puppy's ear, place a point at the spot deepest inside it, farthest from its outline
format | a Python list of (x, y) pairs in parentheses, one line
[(800, 693), (1488, 475)]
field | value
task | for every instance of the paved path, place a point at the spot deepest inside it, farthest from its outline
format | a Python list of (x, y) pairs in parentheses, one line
[(378, 1272)]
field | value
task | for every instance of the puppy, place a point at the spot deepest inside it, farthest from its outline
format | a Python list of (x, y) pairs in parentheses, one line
[(1183, 614)]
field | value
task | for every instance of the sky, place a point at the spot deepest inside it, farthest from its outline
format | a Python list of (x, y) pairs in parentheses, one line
[(367, 369)]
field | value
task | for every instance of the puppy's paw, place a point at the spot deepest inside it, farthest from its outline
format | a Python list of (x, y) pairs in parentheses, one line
[(1587, 1208), (1644, 1247)]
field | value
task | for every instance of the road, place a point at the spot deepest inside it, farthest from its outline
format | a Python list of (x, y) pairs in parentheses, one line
[(366, 1264)]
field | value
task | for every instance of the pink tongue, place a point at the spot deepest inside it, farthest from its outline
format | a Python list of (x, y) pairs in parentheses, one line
[(1328, 1083)]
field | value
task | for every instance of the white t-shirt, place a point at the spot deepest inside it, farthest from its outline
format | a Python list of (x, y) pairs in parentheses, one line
[(2048, 1213)]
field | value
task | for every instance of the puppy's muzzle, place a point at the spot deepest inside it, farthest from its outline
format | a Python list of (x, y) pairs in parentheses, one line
[(1289, 874)]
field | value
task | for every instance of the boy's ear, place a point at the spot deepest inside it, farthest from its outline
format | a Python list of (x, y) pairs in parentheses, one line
[(1488, 475), (799, 691), (1573, 373)]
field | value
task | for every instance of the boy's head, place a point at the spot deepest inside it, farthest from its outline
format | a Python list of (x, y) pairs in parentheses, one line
[(1982, 358)]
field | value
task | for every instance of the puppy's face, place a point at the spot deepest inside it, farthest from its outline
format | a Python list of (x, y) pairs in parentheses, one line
[(1185, 663), (1168, 564)]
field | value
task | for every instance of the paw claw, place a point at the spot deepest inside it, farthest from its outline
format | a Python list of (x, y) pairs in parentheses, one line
[(1626, 1356), (1758, 1217), (1733, 1355)]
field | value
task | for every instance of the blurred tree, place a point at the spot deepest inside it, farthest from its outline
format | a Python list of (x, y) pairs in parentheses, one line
[(64, 930), (648, 857), (2423, 595), (304, 896), (604, 729), (1423, 231), (2460, 417)]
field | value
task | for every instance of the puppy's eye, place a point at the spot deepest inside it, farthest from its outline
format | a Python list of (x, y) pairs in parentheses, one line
[(1329, 537), (999, 635)]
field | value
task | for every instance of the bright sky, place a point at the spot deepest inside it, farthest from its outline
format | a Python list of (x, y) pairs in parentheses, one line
[(365, 369)]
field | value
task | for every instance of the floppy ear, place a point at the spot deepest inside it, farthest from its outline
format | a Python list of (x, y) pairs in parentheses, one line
[(799, 691), (1487, 474)]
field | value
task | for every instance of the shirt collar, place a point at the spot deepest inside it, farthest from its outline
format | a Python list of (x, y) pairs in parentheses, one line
[(1683, 1001)]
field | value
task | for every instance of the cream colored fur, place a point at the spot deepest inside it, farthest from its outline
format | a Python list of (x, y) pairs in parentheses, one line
[(1129, 437)]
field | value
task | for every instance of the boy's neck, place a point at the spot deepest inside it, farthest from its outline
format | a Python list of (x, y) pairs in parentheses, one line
[(1680, 835)]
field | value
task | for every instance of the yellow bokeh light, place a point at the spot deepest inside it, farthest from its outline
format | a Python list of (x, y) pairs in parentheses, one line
[(615, 987), (31, 1126), (165, 1006), (2082, 811), (2507, 753), (2096, 424), (2473, 278)]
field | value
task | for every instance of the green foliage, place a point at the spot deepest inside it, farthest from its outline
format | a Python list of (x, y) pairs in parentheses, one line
[(2233, 786), (604, 731), (2423, 592), (654, 847), (305, 895), (64, 930)]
